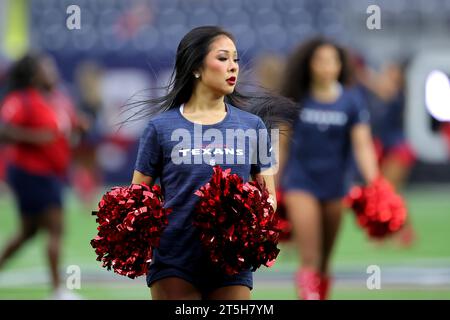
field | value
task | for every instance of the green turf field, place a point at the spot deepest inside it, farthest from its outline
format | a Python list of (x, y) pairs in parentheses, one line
[(420, 272)]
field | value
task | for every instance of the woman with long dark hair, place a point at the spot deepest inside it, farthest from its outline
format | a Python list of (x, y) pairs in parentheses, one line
[(189, 132), (36, 121), (332, 121)]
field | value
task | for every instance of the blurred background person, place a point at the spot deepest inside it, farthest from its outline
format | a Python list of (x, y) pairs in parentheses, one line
[(269, 70), (333, 120), (384, 91), (37, 121), (86, 172)]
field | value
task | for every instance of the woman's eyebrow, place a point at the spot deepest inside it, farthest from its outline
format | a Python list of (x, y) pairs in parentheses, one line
[(227, 51)]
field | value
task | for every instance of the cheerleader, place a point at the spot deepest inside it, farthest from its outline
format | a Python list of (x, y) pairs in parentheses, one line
[(175, 149), (36, 121), (332, 121)]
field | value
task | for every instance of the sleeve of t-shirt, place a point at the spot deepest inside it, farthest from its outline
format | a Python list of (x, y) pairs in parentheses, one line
[(359, 113), (149, 158), (12, 111), (264, 158)]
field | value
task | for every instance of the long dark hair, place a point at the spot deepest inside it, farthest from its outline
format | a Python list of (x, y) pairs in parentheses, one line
[(276, 111), (23, 72), (297, 79), (190, 55)]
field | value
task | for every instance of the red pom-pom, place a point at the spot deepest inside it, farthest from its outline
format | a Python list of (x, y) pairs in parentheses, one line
[(378, 209), (237, 223), (130, 222)]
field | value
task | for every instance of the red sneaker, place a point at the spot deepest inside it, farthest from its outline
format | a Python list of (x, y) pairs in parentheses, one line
[(308, 284)]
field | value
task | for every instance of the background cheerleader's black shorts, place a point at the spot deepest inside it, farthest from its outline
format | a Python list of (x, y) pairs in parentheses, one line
[(34, 193), (327, 185)]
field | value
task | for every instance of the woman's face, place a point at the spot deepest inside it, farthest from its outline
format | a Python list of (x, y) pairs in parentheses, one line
[(325, 65), (220, 68)]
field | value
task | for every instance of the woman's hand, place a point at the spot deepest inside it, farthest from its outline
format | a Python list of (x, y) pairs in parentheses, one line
[(273, 201), (267, 177)]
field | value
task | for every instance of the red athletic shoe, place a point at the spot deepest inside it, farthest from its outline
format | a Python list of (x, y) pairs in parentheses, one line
[(308, 284), (325, 284)]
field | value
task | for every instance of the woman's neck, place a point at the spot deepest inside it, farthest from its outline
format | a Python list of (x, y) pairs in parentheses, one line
[(201, 101), (326, 92)]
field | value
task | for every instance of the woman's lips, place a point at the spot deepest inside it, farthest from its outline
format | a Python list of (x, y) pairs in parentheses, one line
[(231, 80)]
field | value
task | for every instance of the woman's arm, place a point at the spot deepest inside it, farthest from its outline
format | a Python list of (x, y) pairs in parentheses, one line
[(16, 134), (139, 178), (268, 177), (364, 152)]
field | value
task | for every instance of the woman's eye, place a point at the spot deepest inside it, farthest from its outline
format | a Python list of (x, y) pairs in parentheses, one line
[(225, 59)]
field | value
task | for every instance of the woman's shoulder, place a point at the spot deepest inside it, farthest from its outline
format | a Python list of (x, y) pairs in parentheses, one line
[(157, 124), (355, 98), (245, 116), (164, 118)]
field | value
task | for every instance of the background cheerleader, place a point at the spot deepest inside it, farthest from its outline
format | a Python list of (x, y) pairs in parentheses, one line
[(332, 121), (36, 122)]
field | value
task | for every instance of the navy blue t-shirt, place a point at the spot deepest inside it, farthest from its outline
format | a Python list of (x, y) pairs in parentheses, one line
[(321, 145), (182, 154)]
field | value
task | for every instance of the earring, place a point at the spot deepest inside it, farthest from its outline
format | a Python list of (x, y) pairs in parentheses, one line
[(196, 75)]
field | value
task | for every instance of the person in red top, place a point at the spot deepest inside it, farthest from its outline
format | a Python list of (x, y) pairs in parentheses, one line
[(36, 121)]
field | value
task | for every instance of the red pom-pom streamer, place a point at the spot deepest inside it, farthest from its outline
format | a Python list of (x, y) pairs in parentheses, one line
[(130, 222), (237, 223), (378, 209)]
